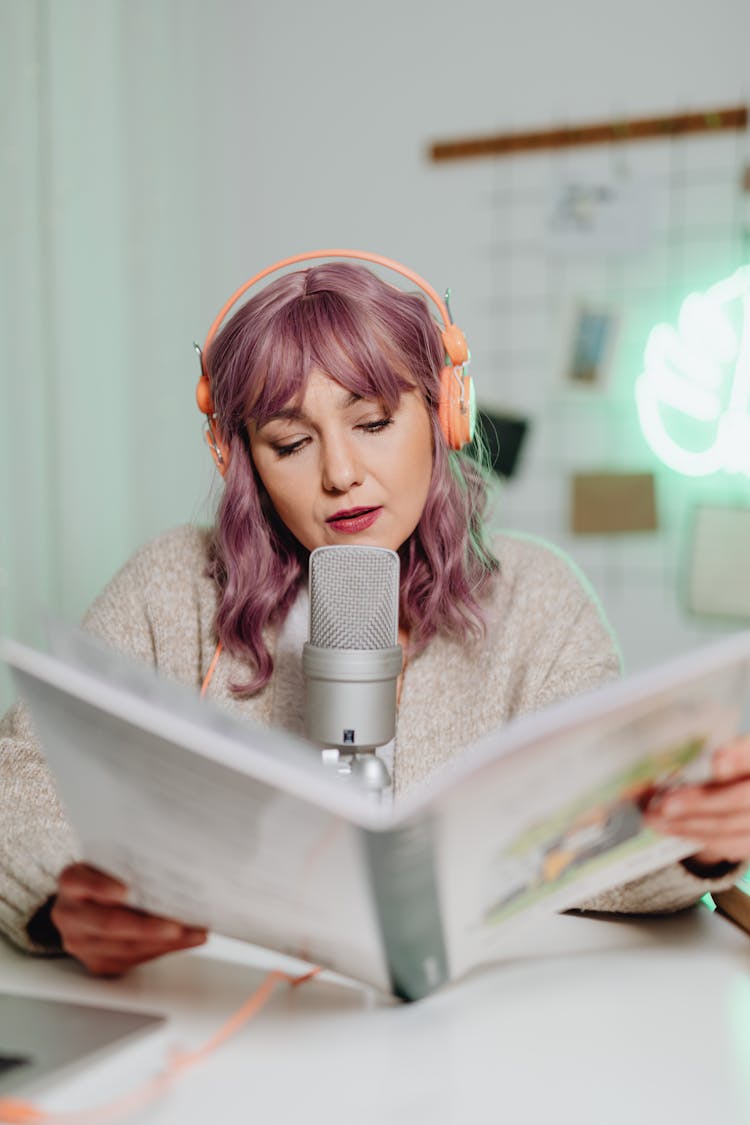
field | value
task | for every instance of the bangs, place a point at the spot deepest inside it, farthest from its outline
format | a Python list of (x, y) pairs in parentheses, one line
[(325, 330)]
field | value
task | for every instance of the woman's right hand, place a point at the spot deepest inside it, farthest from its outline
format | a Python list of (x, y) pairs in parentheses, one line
[(107, 936)]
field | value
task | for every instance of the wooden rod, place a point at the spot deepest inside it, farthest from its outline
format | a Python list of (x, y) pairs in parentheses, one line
[(605, 132)]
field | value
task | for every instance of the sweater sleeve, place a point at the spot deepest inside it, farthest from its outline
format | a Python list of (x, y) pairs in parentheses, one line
[(36, 841), (661, 892)]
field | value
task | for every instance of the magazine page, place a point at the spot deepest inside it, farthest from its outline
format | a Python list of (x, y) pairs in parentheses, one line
[(557, 820), (194, 834), (85, 667)]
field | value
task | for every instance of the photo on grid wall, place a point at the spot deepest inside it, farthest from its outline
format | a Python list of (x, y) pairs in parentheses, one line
[(588, 345), (718, 562), (596, 216)]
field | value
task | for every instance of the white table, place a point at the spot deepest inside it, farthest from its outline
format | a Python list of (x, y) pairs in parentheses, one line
[(647, 1021)]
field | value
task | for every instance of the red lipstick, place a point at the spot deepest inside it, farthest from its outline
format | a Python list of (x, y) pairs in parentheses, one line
[(353, 520)]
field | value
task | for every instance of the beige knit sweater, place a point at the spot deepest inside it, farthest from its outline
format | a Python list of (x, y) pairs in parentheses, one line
[(546, 640)]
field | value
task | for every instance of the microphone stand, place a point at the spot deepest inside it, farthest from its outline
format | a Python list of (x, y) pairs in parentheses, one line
[(362, 764), (370, 771)]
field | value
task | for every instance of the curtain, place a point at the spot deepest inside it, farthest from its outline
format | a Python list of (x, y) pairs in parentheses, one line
[(107, 276)]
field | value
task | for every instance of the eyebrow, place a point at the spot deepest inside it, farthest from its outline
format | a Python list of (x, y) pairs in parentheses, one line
[(293, 414)]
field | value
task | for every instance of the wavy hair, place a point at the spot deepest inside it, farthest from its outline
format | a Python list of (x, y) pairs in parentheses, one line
[(376, 341)]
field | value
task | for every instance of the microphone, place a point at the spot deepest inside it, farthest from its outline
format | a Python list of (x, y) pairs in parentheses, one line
[(353, 659)]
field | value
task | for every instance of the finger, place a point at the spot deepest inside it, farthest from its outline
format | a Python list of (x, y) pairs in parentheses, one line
[(719, 799), (738, 843), (713, 824), (105, 956), (732, 759), (115, 922), (113, 961), (110, 947), (136, 951), (731, 842), (81, 881)]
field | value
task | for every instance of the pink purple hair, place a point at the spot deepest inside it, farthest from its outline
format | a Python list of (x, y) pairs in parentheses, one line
[(376, 341)]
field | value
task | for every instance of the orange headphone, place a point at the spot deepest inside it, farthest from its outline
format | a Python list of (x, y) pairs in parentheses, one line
[(456, 408)]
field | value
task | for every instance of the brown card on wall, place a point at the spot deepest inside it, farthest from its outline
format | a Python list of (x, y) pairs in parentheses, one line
[(608, 503)]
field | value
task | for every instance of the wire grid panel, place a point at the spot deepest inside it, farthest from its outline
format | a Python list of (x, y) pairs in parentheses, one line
[(696, 231)]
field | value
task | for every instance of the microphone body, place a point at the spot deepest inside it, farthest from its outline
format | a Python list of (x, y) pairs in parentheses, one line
[(351, 696), (353, 659)]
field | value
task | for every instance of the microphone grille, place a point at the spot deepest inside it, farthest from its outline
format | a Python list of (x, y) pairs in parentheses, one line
[(354, 593)]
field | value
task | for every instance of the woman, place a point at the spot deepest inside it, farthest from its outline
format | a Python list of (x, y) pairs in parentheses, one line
[(335, 418)]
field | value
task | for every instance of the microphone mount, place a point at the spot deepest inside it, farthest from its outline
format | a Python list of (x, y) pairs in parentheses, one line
[(363, 765)]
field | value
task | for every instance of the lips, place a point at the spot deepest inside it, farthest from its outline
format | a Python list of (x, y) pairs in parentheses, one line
[(352, 520)]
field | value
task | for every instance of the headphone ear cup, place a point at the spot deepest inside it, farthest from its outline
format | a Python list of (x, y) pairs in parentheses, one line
[(457, 407), (204, 397), (454, 342), (214, 438)]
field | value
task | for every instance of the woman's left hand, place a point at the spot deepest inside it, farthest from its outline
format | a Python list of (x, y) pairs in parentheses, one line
[(716, 814)]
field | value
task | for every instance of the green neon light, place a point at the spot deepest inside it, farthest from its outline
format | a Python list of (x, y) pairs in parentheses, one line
[(693, 395)]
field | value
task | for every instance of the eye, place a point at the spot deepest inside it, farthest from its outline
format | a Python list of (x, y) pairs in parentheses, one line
[(290, 449), (377, 426)]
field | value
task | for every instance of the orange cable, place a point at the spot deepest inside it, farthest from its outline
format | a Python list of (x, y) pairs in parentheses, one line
[(16, 1111), (211, 669)]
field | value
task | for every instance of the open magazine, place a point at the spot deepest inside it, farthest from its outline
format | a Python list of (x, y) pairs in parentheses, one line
[(237, 827)]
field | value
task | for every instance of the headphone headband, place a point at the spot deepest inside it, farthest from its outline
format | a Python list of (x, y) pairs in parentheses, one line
[(313, 255)]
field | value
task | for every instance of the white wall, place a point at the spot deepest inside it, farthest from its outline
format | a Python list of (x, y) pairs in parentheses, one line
[(156, 152)]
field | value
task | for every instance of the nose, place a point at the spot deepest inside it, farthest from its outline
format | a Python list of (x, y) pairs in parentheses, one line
[(341, 467)]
